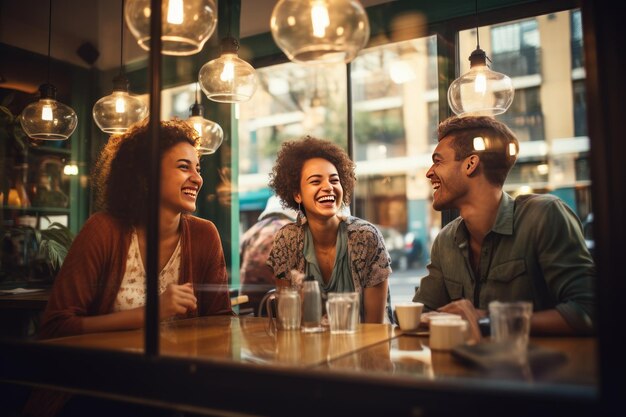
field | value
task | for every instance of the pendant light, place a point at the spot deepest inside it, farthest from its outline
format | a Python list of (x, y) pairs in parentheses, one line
[(187, 24), (211, 133), (115, 113), (480, 91), (310, 31), (228, 79), (48, 119)]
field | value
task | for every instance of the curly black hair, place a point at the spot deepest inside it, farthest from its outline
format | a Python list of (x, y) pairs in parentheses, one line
[(120, 175), (285, 175)]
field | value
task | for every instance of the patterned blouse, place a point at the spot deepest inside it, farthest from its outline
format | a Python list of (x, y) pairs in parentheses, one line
[(370, 263), (132, 292)]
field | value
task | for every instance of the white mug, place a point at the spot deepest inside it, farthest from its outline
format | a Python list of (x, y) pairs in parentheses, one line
[(409, 315), (445, 334)]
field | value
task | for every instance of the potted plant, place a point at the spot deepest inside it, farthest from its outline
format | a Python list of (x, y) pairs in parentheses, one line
[(53, 243)]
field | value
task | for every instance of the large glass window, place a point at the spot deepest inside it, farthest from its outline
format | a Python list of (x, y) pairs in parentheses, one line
[(548, 122), (396, 109), (516, 48)]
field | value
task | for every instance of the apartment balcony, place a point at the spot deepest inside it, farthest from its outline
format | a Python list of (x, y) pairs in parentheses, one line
[(524, 61)]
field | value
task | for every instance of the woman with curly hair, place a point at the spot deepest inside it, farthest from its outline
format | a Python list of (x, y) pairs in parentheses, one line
[(343, 253), (101, 286)]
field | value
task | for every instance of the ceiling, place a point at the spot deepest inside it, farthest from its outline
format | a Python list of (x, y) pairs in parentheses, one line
[(24, 24)]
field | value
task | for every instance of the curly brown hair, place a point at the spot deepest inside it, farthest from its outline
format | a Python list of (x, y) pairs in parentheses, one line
[(292, 156), (120, 175), (496, 158)]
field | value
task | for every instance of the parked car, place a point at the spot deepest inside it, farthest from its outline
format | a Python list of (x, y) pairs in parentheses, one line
[(394, 242)]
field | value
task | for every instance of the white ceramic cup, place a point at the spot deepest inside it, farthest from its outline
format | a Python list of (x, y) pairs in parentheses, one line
[(409, 315), (445, 334)]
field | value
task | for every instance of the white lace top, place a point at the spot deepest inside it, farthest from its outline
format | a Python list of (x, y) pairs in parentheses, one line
[(132, 292)]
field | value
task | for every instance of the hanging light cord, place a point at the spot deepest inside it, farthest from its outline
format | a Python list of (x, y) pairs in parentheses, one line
[(49, 36), (487, 60), (228, 12), (122, 39), (476, 24)]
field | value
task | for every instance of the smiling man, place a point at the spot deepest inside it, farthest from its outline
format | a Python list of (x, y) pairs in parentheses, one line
[(529, 248)]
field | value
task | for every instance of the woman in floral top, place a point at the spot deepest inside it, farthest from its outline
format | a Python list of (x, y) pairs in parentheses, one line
[(343, 253)]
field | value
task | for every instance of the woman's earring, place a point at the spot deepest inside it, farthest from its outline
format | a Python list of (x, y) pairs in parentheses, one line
[(301, 219)]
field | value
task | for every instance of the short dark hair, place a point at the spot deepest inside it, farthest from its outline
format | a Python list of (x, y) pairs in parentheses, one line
[(496, 158), (121, 173), (285, 176)]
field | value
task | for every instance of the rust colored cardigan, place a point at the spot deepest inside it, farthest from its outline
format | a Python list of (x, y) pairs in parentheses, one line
[(92, 273)]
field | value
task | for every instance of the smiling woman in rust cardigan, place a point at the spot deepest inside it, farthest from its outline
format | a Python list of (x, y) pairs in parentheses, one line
[(101, 286)]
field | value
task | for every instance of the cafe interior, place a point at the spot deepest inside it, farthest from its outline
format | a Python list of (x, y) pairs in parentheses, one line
[(378, 86)]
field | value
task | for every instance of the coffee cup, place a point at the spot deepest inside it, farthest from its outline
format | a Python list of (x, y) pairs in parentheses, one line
[(409, 315), (445, 334)]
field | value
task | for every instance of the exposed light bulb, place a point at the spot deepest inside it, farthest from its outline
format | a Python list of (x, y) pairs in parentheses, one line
[(198, 127), (319, 19), (46, 113), (70, 169), (175, 13), (120, 105), (228, 73), (480, 83)]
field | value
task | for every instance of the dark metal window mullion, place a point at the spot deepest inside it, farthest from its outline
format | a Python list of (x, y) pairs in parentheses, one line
[(447, 68), (153, 152)]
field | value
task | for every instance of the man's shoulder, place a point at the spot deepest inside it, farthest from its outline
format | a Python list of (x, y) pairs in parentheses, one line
[(536, 201), (451, 227)]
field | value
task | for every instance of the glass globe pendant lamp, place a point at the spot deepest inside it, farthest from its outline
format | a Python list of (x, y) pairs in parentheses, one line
[(210, 133), (310, 31), (187, 24), (48, 119), (228, 79), (480, 91), (115, 113)]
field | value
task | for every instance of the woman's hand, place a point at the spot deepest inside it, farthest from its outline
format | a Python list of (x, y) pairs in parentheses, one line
[(177, 299)]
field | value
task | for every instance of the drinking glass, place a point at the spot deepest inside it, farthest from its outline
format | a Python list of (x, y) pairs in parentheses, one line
[(343, 312)]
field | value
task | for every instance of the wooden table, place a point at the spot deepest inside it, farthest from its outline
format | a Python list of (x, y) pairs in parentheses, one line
[(236, 365), (375, 348), (20, 313), (240, 339), (570, 361)]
